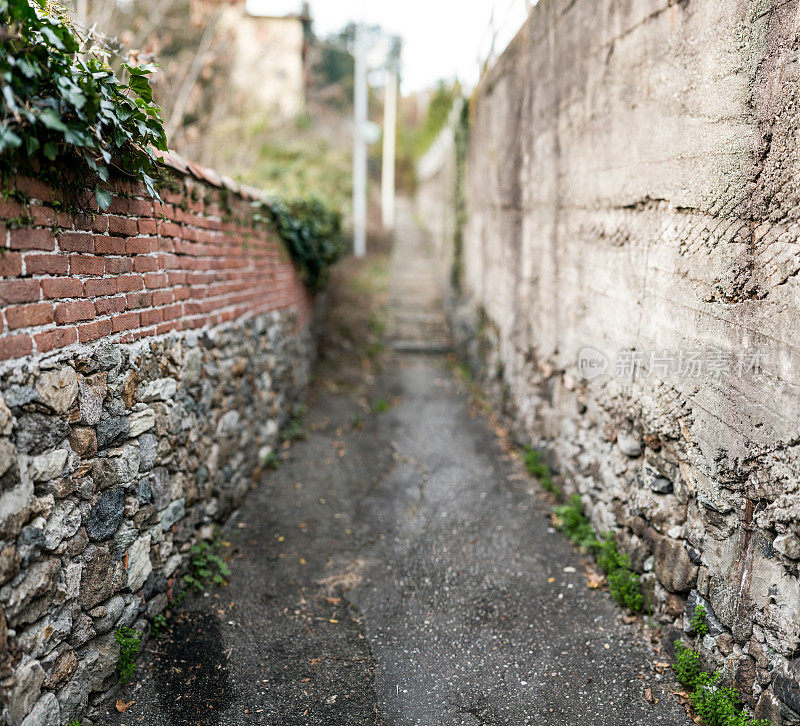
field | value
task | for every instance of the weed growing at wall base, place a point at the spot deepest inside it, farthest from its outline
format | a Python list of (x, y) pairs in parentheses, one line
[(206, 566), (536, 467), (623, 583), (717, 705), (129, 640)]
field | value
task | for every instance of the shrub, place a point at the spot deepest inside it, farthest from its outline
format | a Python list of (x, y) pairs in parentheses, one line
[(623, 582), (717, 705), (63, 103)]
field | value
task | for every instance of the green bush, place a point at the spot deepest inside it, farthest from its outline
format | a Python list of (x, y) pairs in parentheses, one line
[(623, 582), (312, 232), (64, 105)]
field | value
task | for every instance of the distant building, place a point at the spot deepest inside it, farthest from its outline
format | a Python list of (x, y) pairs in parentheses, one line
[(269, 48)]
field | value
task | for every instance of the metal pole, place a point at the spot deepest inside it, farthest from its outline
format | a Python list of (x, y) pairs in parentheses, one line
[(360, 147), (389, 139)]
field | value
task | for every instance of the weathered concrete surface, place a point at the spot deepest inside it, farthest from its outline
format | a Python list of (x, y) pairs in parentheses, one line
[(633, 186)]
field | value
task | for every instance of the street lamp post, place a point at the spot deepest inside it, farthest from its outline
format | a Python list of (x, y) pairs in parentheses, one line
[(360, 146)]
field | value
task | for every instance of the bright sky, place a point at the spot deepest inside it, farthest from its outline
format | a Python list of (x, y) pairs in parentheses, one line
[(441, 38)]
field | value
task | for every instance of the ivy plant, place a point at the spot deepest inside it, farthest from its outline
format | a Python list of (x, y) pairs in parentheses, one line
[(64, 106), (312, 232)]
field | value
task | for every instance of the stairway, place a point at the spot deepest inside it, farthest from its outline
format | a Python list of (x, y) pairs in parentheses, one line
[(416, 322)]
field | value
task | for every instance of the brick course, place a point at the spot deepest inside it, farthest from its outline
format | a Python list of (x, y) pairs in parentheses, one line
[(133, 273)]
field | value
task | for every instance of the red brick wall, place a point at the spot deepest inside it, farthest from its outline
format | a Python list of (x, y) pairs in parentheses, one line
[(144, 268)]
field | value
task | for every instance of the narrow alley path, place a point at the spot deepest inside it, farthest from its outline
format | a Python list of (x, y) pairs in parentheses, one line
[(399, 569)]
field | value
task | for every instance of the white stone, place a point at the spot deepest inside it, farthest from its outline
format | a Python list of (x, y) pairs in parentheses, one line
[(139, 565), (675, 531), (72, 578), (126, 465), (162, 389), (8, 454), (58, 389), (91, 405), (62, 524), (49, 465), (46, 712), (28, 678), (788, 545), (629, 444), (228, 424), (6, 419), (141, 421)]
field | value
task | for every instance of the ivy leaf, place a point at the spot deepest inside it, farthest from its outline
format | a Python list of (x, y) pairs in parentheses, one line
[(49, 35), (50, 150), (103, 197), (50, 118)]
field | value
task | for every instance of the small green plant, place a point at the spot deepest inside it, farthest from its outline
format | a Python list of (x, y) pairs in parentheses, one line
[(294, 430), (129, 640), (376, 324), (464, 371), (380, 405), (357, 422), (373, 349), (158, 625), (534, 464), (574, 523), (717, 705), (206, 566), (624, 584), (698, 621), (271, 461), (74, 722)]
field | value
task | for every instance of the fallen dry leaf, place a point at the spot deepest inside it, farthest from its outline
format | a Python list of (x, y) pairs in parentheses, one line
[(122, 706), (333, 600), (594, 579)]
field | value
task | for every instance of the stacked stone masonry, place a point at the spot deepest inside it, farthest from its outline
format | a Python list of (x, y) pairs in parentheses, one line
[(150, 363), (633, 185)]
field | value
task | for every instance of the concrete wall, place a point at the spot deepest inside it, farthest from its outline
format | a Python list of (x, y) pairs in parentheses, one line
[(149, 364), (633, 186)]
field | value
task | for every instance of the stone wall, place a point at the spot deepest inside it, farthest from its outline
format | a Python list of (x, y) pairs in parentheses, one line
[(633, 190), (151, 364)]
